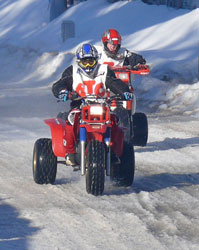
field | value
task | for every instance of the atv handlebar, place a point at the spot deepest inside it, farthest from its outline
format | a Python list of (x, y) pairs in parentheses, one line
[(140, 69), (73, 96), (97, 98)]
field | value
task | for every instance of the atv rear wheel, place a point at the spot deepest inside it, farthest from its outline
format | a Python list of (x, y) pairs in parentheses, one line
[(123, 173), (136, 131), (95, 167), (140, 129), (44, 162)]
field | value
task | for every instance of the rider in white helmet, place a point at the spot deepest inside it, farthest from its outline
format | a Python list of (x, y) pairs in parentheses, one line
[(86, 77)]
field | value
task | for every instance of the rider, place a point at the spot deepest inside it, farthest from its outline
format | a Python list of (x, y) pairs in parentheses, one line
[(86, 77), (113, 54)]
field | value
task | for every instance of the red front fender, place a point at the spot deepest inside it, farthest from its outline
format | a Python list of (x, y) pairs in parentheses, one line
[(58, 132)]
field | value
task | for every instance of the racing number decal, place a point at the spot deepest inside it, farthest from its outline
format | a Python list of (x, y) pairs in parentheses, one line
[(90, 87), (80, 90)]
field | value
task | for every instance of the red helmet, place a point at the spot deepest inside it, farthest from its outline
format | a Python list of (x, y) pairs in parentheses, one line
[(111, 36)]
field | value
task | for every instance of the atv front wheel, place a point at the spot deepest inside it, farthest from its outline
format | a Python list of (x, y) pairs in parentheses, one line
[(95, 167), (44, 162)]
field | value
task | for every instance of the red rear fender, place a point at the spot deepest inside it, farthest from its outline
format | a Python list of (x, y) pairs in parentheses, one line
[(57, 127)]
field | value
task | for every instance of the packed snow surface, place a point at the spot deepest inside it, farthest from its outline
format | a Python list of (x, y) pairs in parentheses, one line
[(161, 209)]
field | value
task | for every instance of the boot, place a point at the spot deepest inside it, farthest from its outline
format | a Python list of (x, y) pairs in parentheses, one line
[(70, 160)]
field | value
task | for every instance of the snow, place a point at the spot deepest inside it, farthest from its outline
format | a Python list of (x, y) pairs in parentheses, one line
[(160, 210)]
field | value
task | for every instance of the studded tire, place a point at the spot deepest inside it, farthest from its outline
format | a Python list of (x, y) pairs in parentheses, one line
[(95, 168), (44, 162)]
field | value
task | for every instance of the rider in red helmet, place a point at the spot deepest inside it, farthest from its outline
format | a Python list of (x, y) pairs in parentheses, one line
[(114, 55), (111, 40)]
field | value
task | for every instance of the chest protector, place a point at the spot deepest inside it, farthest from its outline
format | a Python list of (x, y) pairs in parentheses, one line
[(120, 57), (84, 85)]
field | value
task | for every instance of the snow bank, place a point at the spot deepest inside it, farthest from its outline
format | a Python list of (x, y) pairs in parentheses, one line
[(32, 48)]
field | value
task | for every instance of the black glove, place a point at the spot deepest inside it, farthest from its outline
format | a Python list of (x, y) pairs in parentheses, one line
[(139, 60), (136, 59)]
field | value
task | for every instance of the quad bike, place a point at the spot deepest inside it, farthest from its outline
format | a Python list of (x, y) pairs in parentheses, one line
[(100, 141), (136, 123), (99, 145)]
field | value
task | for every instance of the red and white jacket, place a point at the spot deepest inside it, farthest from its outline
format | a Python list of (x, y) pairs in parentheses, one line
[(122, 58), (84, 85), (75, 79)]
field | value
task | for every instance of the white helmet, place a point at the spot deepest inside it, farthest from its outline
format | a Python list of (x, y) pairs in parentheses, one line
[(87, 57)]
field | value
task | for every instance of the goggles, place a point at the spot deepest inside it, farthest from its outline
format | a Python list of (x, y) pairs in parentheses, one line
[(114, 41), (88, 62)]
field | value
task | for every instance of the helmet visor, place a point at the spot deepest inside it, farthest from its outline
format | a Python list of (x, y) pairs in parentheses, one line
[(114, 41)]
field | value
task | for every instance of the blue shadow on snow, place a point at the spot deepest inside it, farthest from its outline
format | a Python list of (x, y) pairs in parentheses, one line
[(14, 231)]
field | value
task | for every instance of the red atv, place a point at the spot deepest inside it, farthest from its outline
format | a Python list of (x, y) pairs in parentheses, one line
[(101, 148), (99, 141)]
